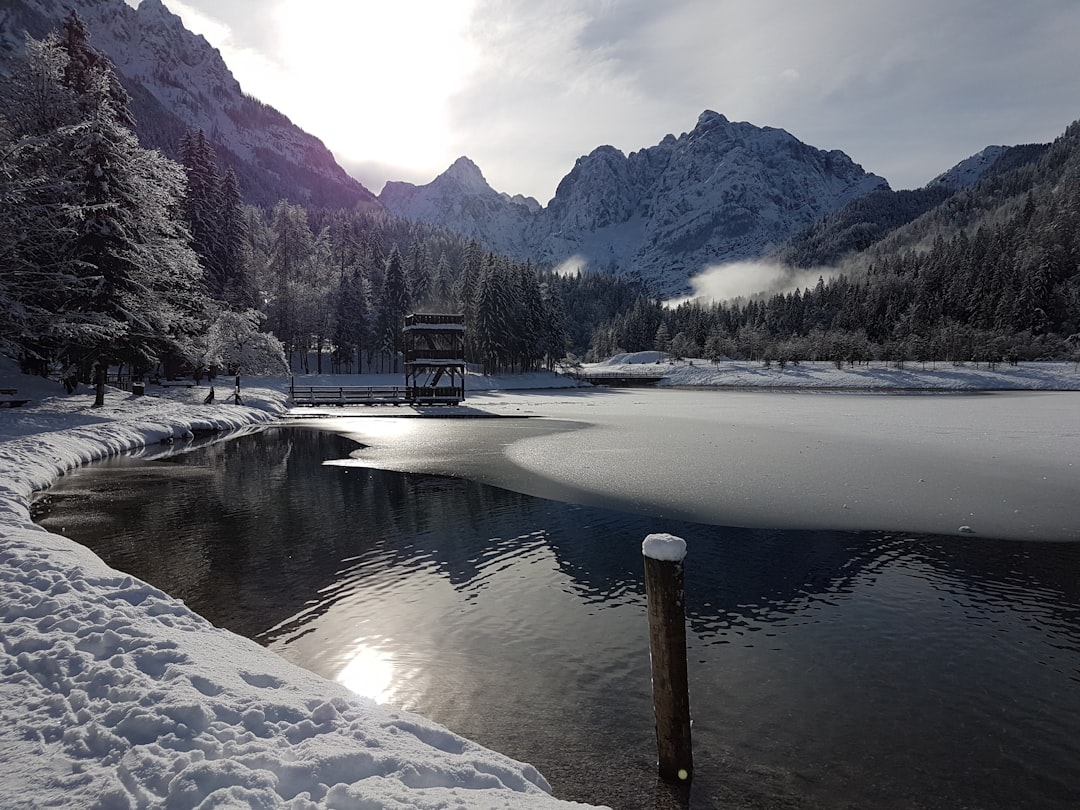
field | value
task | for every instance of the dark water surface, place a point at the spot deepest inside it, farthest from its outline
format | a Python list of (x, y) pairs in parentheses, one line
[(827, 669)]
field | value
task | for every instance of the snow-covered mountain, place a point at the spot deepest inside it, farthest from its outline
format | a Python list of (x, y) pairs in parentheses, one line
[(178, 82), (461, 199), (722, 192)]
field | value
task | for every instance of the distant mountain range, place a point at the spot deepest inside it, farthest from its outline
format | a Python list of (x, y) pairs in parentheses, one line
[(722, 192)]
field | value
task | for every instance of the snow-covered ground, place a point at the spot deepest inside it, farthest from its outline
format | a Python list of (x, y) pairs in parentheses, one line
[(116, 695)]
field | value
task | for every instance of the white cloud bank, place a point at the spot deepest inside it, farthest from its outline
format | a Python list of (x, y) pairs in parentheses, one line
[(726, 282)]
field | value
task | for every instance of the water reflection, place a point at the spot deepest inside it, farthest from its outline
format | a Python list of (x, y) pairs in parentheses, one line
[(369, 671), (827, 669)]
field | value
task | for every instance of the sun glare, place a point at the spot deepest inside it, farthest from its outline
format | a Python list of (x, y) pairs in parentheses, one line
[(374, 79), (369, 672)]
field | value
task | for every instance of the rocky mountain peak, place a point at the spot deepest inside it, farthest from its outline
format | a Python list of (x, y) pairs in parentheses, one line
[(969, 171), (708, 118), (466, 174)]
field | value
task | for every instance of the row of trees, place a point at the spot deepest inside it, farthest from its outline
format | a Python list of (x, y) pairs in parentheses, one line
[(98, 266), (336, 286)]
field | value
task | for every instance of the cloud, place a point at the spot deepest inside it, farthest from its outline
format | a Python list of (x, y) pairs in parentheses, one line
[(571, 267), (907, 90), (748, 279)]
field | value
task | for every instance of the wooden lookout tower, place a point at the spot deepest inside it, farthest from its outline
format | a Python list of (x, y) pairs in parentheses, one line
[(435, 358)]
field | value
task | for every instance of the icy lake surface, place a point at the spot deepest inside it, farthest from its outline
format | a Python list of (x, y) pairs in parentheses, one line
[(828, 668), (997, 464)]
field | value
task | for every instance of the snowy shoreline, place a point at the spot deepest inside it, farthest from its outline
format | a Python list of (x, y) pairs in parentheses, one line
[(116, 695)]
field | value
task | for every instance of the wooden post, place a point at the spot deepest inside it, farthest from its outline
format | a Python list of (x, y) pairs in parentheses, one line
[(664, 555)]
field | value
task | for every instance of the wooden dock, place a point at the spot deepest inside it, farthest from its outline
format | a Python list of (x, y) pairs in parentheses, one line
[(349, 395)]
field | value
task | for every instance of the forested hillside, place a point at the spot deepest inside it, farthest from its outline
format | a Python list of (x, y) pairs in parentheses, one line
[(991, 273)]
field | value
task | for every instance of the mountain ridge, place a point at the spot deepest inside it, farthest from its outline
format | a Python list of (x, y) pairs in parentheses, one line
[(721, 192)]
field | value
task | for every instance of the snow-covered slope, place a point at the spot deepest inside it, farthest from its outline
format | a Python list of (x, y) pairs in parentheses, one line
[(969, 171), (178, 82), (722, 192)]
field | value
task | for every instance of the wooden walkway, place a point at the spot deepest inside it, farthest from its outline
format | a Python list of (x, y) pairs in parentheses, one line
[(349, 395), (302, 395)]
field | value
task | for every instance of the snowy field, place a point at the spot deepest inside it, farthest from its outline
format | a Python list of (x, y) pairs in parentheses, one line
[(115, 695)]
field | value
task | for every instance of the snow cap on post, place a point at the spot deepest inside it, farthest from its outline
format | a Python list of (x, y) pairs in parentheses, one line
[(666, 547)]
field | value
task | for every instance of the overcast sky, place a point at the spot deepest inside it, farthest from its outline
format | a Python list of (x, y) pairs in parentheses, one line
[(398, 89)]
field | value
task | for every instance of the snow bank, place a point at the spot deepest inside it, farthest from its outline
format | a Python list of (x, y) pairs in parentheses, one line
[(116, 695)]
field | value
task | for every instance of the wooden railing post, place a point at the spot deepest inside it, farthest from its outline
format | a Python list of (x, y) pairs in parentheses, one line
[(664, 586)]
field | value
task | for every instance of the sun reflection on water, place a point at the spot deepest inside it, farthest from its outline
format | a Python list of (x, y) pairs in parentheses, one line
[(369, 672)]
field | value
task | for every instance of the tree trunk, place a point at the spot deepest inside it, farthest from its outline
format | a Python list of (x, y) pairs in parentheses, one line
[(99, 385)]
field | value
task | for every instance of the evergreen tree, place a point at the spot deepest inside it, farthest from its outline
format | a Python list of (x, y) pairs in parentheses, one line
[(128, 290), (237, 289), (393, 305), (290, 249), (490, 317), (203, 208)]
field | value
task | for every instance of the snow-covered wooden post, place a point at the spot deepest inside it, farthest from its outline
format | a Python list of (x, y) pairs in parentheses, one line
[(664, 554)]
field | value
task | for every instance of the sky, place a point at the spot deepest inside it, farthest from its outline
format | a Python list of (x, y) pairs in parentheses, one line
[(398, 90)]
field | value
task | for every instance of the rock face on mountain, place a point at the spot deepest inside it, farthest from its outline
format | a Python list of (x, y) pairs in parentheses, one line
[(723, 192), (178, 82)]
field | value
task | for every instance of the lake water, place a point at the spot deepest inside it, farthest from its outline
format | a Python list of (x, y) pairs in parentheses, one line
[(828, 668)]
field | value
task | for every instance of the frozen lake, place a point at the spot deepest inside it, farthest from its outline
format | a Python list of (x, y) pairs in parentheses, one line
[(1000, 464), (913, 666)]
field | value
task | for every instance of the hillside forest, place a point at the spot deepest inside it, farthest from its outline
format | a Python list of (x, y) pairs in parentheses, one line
[(113, 255)]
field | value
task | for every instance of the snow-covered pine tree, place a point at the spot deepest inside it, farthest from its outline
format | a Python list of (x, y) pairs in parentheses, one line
[(238, 290), (352, 313), (489, 322), (290, 248), (116, 273), (203, 207)]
